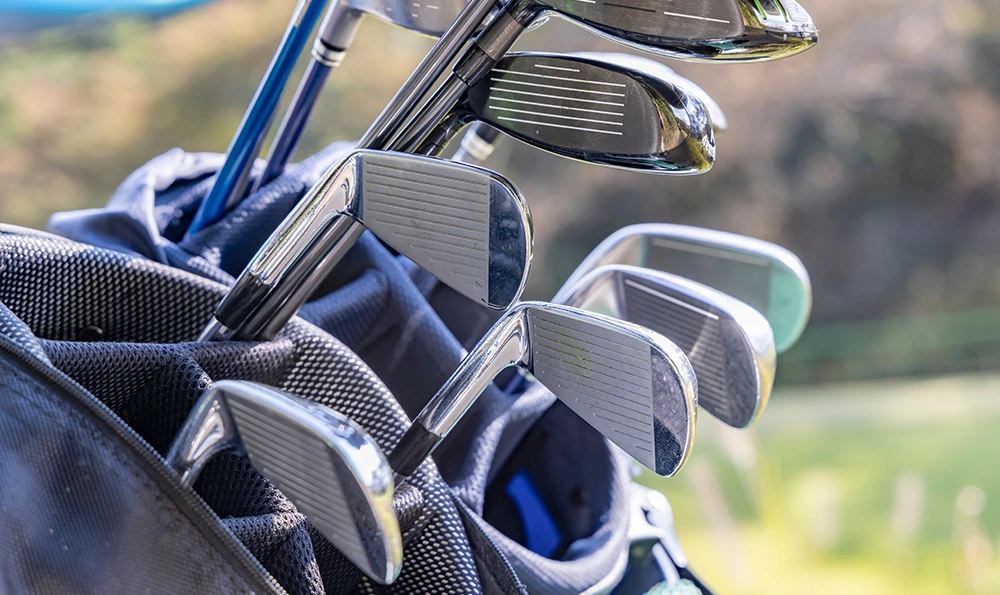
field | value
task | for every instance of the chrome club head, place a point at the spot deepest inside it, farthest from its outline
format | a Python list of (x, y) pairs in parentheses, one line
[(323, 462), (763, 275), (595, 111), (695, 30), (466, 225), (631, 384), (662, 71), (730, 345)]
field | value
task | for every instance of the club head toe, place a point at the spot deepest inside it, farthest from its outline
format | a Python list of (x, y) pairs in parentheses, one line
[(633, 386), (466, 225)]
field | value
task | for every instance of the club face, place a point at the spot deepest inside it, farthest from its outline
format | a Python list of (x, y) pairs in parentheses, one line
[(586, 109), (466, 225), (729, 344), (698, 30), (426, 18), (328, 467), (633, 386), (763, 275), (661, 70)]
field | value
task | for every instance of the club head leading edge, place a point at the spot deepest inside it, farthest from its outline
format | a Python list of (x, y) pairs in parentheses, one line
[(730, 345), (631, 384), (767, 277), (332, 471), (595, 111)]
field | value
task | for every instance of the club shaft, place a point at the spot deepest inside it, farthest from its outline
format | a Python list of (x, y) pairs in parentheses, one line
[(334, 38), (475, 64), (415, 89), (506, 344), (294, 123), (231, 180)]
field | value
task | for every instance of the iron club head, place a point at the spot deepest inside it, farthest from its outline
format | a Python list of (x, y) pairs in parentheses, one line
[(763, 275), (730, 345), (323, 462), (631, 384), (592, 110), (466, 225)]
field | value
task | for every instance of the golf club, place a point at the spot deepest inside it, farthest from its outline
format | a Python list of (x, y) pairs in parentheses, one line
[(631, 384), (724, 30), (480, 139), (231, 181), (588, 109), (334, 38), (467, 226), (763, 275), (729, 344), (332, 471)]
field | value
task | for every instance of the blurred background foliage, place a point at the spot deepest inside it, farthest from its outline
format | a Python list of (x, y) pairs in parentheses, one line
[(874, 157)]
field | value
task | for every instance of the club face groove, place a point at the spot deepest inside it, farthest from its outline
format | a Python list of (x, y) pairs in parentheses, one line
[(431, 18), (661, 70), (466, 225), (697, 30), (633, 386), (325, 464), (729, 344), (586, 109)]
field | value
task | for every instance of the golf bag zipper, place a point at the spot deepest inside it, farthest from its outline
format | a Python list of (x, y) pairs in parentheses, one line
[(188, 501)]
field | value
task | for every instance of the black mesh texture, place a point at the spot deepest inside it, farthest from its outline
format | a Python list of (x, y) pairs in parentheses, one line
[(59, 287), (81, 514)]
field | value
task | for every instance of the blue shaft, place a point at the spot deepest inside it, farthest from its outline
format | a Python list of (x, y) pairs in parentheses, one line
[(296, 118), (230, 183)]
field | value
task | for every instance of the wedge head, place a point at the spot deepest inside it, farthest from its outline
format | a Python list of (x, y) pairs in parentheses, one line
[(588, 109), (696, 30), (332, 471), (631, 384), (466, 225), (763, 275), (729, 344)]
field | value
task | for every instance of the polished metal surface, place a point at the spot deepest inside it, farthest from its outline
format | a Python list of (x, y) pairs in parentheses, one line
[(695, 30), (323, 462), (730, 345), (662, 71), (763, 275), (468, 226), (631, 384), (416, 88), (595, 111)]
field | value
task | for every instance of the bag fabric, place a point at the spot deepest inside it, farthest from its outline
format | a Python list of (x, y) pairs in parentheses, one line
[(369, 344)]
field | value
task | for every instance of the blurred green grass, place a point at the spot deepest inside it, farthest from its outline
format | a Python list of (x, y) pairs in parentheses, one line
[(837, 508)]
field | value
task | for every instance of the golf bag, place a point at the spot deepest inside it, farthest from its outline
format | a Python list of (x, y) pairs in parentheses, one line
[(100, 367)]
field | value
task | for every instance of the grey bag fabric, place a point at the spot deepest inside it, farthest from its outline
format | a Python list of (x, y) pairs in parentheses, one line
[(391, 353)]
